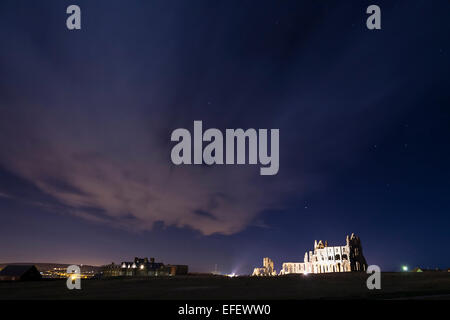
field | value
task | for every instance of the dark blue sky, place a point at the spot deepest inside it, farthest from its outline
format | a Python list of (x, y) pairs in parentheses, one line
[(86, 118)]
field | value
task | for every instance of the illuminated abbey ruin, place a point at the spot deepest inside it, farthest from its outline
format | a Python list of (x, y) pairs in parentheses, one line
[(266, 270), (324, 259)]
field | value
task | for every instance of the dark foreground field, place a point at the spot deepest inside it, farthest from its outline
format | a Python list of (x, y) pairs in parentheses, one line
[(433, 285)]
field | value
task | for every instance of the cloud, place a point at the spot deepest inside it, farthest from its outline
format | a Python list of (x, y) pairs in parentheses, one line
[(112, 165), (95, 136), (4, 195), (91, 128), (135, 189)]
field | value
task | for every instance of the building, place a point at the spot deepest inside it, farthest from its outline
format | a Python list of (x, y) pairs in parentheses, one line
[(178, 269), (143, 267), (266, 270), (23, 272), (111, 270), (326, 259)]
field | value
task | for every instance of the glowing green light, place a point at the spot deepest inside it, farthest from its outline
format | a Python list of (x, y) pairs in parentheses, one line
[(405, 268)]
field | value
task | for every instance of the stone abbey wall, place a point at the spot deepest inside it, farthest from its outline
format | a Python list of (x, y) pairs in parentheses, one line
[(323, 259)]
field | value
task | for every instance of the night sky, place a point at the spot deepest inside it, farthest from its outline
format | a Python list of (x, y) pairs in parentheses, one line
[(86, 118)]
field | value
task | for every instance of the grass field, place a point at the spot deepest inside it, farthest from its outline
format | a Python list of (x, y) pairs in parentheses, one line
[(432, 285)]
